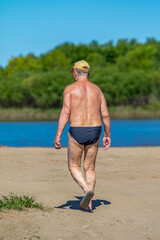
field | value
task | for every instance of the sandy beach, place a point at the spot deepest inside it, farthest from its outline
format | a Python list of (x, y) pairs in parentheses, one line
[(126, 203)]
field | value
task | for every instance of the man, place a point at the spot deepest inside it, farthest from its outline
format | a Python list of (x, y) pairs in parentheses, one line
[(84, 106)]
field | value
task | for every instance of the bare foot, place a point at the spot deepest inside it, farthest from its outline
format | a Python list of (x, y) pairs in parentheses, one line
[(90, 205)]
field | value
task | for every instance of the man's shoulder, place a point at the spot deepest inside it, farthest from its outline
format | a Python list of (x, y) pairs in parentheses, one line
[(74, 86), (69, 87), (98, 88)]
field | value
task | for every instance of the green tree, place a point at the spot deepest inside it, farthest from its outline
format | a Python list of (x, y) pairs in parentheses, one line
[(127, 72), (142, 57), (54, 59), (29, 63)]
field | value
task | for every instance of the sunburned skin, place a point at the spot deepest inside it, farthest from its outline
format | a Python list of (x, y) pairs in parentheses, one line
[(84, 105)]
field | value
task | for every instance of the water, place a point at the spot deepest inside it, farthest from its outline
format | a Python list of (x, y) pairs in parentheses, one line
[(124, 133)]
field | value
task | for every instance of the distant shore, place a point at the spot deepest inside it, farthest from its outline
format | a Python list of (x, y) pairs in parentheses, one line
[(37, 114)]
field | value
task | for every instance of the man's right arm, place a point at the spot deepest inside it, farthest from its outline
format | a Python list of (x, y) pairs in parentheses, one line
[(64, 117), (106, 121)]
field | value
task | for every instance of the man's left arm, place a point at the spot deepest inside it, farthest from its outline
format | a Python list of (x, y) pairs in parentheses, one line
[(63, 118)]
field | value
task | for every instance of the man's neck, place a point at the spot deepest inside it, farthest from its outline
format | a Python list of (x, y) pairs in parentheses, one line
[(82, 79)]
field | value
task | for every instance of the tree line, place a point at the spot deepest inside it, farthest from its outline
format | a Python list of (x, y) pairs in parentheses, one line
[(128, 73)]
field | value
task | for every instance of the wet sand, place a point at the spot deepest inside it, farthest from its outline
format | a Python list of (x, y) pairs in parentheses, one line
[(126, 202)]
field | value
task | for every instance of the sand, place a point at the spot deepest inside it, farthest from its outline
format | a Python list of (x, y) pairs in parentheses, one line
[(126, 202)]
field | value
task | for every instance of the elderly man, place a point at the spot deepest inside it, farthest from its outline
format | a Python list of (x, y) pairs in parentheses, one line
[(84, 106)]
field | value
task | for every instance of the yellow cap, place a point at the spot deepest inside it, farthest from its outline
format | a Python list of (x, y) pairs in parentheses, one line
[(83, 65)]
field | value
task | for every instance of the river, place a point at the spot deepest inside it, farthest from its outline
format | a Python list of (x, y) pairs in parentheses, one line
[(124, 133)]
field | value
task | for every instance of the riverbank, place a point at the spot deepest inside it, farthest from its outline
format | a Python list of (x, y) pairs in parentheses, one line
[(37, 114), (125, 204)]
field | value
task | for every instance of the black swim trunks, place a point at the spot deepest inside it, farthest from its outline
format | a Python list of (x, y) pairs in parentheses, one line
[(86, 135)]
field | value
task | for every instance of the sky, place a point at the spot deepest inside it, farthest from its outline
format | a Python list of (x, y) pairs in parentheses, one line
[(37, 26)]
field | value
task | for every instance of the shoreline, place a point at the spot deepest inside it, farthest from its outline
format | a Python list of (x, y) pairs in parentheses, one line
[(101, 148), (36, 114)]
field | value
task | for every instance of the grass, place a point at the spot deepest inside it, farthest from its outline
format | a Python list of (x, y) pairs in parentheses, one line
[(15, 202), (130, 112), (29, 114), (33, 237), (116, 112)]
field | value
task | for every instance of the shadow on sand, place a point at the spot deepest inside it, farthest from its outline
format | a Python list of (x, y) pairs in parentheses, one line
[(75, 204)]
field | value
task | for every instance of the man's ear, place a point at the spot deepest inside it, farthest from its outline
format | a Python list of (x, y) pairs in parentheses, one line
[(75, 74)]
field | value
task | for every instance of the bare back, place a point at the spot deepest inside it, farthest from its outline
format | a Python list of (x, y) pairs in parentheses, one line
[(85, 104)]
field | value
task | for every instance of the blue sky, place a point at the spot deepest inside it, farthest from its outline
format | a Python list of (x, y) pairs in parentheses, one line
[(37, 26)]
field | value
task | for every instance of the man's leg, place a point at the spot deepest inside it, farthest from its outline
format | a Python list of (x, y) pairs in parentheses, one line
[(90, 154), (75, 151)]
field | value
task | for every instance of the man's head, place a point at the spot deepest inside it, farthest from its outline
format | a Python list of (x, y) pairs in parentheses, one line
[(81, 68)]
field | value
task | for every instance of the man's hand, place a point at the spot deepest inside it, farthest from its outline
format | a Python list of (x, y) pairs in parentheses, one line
[(57, 142), (106, 142)]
